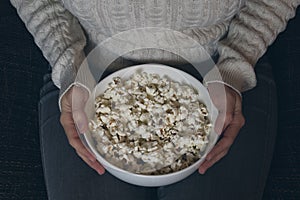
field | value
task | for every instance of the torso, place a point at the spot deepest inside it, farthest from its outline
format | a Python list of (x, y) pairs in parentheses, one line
[(204, 20), (113, 16)]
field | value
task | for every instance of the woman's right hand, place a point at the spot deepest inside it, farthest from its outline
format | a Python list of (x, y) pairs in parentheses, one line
[(75, 113)]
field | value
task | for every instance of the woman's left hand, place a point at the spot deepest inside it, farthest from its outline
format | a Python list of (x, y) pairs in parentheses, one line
[(72, 116), (229, 122)]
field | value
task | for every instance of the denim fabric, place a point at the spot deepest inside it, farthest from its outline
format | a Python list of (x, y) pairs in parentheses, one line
[(243, 172), (284, 176)]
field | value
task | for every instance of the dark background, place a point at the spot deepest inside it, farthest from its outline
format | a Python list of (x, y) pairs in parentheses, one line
[(22, 67)]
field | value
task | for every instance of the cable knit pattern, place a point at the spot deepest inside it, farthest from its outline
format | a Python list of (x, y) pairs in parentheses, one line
[(250, 33), (250, 25), (58, 34)]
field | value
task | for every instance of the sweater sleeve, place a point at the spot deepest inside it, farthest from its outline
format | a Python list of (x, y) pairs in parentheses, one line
[(252, 30), (58, 34)]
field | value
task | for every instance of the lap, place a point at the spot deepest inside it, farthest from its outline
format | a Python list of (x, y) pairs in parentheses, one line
[(241, 174), (66, 175)]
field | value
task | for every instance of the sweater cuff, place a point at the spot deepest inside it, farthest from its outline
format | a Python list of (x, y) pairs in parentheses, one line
[(237, 74), (65, 79)]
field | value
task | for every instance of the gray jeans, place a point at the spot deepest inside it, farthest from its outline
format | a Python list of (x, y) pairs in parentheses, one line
[(240, 175)]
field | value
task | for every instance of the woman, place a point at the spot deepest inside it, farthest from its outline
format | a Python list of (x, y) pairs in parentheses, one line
[(238, 30)]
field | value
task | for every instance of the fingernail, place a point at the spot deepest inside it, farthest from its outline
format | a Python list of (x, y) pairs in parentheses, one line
[(100, 172), (201, 171)]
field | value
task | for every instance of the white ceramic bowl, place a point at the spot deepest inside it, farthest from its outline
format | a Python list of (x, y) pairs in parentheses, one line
[(173, 74)]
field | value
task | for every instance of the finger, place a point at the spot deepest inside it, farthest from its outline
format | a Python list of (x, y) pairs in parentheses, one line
[(68, 125), (81, 94), (222, 121), (238, 104), (74, 139), (239, 118), (79, 98), (225, 143), (222, 147), (213, 156), (217, 92), (219, 151), (79, 147), (208, 163), (95, 165), (66, 121), (80, 120), (233, 129), (76, 143)]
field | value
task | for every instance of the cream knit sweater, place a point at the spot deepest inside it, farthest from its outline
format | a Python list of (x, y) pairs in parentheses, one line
[(240, 30)]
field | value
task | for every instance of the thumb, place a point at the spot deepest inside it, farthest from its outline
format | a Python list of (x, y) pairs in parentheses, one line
[(220, 123), (79, 99)]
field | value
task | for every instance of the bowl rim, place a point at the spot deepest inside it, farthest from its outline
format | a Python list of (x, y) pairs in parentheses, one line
[(111, 166)]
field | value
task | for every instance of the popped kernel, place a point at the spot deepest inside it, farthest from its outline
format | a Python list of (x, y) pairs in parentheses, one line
[(149, 124)]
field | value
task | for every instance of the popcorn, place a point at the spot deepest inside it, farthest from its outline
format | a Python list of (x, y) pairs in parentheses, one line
[(103, 109), (149, 124)]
